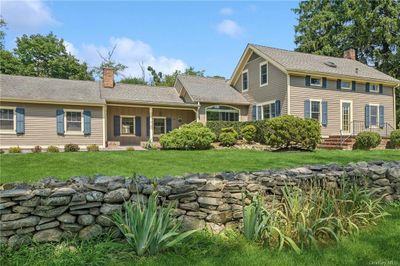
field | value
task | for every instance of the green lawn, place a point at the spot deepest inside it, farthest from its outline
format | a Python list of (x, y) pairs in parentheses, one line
[(377, 245), (34, 166)]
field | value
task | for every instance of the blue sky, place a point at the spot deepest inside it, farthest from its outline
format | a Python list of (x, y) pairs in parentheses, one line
[(209, 36)]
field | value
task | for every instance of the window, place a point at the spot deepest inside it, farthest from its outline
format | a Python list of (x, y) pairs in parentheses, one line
[(315, 82), (7, 119), (374, 88), (159, 125), (373, 116), (74, 121), (316, 110), (222, 113), (345, 85), (268, 111), (245, 81), (263, 74), (127, 125)]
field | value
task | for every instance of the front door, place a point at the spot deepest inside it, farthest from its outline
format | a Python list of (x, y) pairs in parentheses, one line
[(346, 117)]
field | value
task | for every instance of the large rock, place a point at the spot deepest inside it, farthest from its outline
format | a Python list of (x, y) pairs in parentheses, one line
[(110, 208), (14, 193), (24, 222), (86, 219), (13, 216), (25, 230), (219, 218), (33, 202), (17, 241), (190, 222), (85, 206), (47, 225), (94, 196), (382, 182), (67, 218), (56, 201), (49, 235), (71, 227), (5, 205), (64, 191), (117, 196), (104, 180), (210, 201), (90, 231), (44, 212), (43, 192), (190, 206), (22, 209), (213, 185), (104, 220), (211, 194)]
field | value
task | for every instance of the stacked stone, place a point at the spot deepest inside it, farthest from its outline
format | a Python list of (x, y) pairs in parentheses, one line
[(82, 206)]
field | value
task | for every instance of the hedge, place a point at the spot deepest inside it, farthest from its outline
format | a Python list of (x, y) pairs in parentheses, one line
[(217, 126)]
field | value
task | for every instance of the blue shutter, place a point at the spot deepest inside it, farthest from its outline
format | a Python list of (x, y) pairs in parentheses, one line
[(273, 110), (353, 85), (259, 112), (339, 84), (169, 124), (380, 88), (367, 116), (254, 113), (20, 120), (138, 126), (324, 113), (117, 126), (324, 83), (147, 126), (60, 121), (308, 80), (278, 107), (87, 124), (381, 116), (367, 87), (307, 109)]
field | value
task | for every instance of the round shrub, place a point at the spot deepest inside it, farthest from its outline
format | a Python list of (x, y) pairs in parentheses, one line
[(395, 138), (248, 133), (37, 149), (71, 147), (367, 140), (92, 147), (193, 136), (227, 139), (53, 149), (16, 149), (291, 132), (230, 130), (130, 148)]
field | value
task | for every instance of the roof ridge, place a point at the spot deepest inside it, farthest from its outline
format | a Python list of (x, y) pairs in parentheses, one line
[(35, 77), (194, 76)]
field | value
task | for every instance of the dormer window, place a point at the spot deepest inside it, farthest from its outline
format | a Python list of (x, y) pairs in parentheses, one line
[(245, 80), (374, 88), (315, 81), (346, 85)]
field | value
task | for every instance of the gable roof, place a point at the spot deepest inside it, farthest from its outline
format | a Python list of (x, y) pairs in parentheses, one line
[(211, 90)]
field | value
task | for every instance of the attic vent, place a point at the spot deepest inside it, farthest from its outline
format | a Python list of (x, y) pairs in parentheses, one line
[(330, 64)]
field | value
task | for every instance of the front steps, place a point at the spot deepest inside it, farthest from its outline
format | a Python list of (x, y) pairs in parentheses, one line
[(333, 143)]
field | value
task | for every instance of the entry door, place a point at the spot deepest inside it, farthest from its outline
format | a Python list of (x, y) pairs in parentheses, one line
[(346, 118)]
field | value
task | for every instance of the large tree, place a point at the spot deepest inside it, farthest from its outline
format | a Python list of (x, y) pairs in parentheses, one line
[(328, 27), (159, 79)]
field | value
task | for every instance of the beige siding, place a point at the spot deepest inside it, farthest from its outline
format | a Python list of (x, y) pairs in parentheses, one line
[(275, 90), (243, 111), (299, 93), (40, 127)]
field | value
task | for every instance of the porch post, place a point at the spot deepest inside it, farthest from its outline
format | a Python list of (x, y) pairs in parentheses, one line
[(151, 124)]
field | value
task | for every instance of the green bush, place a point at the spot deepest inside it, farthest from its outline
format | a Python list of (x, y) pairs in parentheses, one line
[(71, 147), (16, 149), (228, 136), (92, 147), (367, 140), (1, 151), (217, 126), (130, 148), (248, 133), (395, 138), (36, 149), (53, 149), (291, 132), (193, 136), (148, 228)]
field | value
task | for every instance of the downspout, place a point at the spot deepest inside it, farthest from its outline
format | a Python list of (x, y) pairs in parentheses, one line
[(198, 112)]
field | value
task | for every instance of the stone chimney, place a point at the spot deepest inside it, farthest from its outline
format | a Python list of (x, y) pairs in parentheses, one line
[(108, 77), (350, 54)]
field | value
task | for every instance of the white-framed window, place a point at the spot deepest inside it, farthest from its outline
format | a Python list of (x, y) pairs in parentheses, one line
[(222, 113), (73, 121), (159, 125), (263, 74), (316, 81), (315, 110), (346, 85), (245, 80), (127, 125), (374, 88), (268, 110), (7, 119), (373, 115)]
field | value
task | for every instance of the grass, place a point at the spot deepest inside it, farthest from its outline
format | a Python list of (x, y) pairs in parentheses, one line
[(34, 166), (377, 245)]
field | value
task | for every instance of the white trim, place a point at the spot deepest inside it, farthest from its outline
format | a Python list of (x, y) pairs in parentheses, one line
[(376, 86), (262, 108), (350, 118), (316, 85), (377, 115), (288, 94), (208, 107), (165, 124), (247, 82), (151, 124), (320, 108), (265, 63), (120, 126), (104, 126), (345, 88), (154, 106), (14, 130), (65, 122)]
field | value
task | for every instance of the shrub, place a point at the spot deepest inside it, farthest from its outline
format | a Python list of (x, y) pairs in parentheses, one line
[(16, 149), (367, 140), (149, 229), (228, 136), (92, 147), (52, 149), (130, 148), (248, 133), (150, 146), (1, 151), (71, 147), (193, 136), (37, 149), (395, 138), (291, 132)]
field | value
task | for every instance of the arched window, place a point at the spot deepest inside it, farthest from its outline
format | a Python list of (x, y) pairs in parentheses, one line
[(222, 113)]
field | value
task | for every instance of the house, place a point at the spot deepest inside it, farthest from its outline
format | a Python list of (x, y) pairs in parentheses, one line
[(344, 95)]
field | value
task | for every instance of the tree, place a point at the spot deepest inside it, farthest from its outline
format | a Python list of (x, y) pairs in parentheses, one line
[(159, 79), (328, 27), (133, 80), (3, 24), (107, 61)]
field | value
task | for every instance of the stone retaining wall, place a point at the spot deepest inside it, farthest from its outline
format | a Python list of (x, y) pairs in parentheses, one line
[(50, 209)]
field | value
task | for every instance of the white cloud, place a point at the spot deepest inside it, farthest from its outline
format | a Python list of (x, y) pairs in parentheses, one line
[(26, 15), (131, 53), (71, 48), (230, 28), (226, 11)]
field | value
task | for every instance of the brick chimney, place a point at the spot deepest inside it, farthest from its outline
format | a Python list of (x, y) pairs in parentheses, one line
[(108, 77), (350, 54)]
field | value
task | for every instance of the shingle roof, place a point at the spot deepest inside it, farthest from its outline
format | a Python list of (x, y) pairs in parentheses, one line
[(303, 62), (212, 90)]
